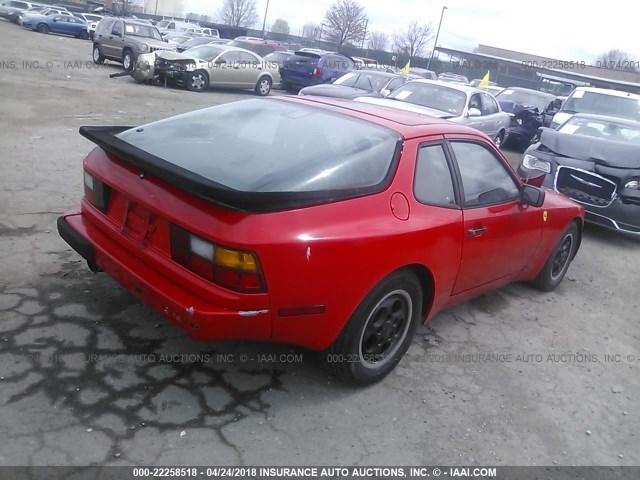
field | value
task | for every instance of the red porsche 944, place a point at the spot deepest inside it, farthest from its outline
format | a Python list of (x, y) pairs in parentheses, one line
[(318, 222)]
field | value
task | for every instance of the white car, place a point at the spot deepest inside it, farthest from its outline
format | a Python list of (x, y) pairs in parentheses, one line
[(457, 103), (598, 101), (43, 12), (11, 9)]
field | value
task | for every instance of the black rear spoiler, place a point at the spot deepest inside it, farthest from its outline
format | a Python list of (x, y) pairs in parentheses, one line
[(251, 202)]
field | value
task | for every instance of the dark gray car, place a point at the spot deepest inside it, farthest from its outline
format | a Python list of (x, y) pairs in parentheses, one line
[(123, 39)]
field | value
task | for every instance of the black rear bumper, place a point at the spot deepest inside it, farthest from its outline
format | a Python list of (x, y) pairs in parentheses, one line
[(77, 242)]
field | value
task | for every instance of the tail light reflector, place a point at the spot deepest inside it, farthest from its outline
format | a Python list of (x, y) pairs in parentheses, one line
[(96, 192), (317, 72), (233, 269)]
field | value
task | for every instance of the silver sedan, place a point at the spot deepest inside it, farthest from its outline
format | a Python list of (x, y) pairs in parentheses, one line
[(458, 103), (217, 65)]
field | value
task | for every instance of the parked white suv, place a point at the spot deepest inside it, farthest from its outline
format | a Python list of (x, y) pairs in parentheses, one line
[(598, 101)]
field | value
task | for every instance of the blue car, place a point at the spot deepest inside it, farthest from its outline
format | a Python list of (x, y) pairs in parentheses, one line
[(64, 24), (313, 67), (529, 110)]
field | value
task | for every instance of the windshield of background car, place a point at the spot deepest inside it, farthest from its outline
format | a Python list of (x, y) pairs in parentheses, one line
[(438, 97), (601, 104), (528, 99), (146, 31), (163, 24), (363, 81), (272, 146), (205, 52), (602, 129)]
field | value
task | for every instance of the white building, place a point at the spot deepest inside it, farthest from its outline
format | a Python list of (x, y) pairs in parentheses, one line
[(166, 8)]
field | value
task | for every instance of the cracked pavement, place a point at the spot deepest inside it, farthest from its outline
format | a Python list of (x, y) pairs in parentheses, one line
[(89, 376)]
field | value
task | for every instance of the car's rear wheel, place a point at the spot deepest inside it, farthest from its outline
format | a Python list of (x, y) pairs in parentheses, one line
[(263, 87), (97, 55), (127, 60), (43, 28), (559, 260), (379, 332), (197, 81), (499, 140), (84, 35)]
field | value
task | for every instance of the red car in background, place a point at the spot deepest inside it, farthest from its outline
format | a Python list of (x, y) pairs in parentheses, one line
[(323, 223)]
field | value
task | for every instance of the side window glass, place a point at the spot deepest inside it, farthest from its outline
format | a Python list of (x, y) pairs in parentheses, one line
[(488, 105), (485, 179), (474, 101), (433, 184), (117, 29)]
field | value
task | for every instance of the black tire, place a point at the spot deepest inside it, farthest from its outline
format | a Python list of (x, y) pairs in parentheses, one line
[(43, 28), (98, 58), (499, 140), (128, 62), (287, 87), (263, 87), (559, 260), (84, 35), (379, 332), (197, 81)]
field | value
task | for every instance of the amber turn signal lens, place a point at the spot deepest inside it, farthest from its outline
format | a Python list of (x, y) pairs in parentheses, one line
[(236, 260)]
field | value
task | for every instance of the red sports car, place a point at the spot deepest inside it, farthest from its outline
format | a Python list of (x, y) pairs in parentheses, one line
[(318, 222)]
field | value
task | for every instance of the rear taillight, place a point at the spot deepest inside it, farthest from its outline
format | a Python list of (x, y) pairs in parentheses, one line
[(96, 192), (317, 72), (233, 269)]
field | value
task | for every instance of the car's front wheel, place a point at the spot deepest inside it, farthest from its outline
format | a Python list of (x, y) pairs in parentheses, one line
[(263, 87), (379, 332), (127, 60), (97, 55), (43, 28), (559, 260), (197, 81)]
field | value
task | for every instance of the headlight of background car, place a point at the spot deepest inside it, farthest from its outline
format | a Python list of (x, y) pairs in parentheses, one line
[(635, 184), (144, 47), (534, 163)]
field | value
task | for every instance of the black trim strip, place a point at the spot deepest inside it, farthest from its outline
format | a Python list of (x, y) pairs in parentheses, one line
[(254, 202)]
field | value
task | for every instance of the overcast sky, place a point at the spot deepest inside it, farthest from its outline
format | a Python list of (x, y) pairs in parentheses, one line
[(551, 28)]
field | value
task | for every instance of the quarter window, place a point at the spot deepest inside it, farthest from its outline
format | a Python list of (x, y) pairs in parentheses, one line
[(433, 183), (485, 180)]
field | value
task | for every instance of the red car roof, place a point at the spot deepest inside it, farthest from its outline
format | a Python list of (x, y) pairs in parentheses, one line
[(408, 124)]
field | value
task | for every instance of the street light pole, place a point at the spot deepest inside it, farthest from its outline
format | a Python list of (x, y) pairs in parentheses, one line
[(264, 22), (436, 41)]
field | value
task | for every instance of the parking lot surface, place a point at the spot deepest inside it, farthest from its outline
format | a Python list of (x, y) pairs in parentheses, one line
[(89, 375)]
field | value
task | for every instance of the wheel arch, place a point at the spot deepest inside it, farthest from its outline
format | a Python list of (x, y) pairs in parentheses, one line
[(580, 224)]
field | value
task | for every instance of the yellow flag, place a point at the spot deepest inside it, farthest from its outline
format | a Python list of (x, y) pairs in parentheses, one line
[(484, 83), (405, 70)]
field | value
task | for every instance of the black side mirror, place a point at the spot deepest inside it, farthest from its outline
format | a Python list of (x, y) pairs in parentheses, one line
[(531, 195)]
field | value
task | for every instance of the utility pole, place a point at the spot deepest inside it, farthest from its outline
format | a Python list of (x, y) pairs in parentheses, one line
[(264, 22), (364, 35), (435, 43)]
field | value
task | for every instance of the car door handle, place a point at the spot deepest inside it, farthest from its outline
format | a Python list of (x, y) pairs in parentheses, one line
[(476, 232)]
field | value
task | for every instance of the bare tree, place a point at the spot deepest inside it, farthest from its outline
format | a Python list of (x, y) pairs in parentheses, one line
[(238, 13), (346, 21), (378, 41), (617, 60), (414, 39), (280, 25), (310, 30)]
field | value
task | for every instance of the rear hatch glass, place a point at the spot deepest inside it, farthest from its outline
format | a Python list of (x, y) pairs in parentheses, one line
[(261, 154), (301, 64)]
